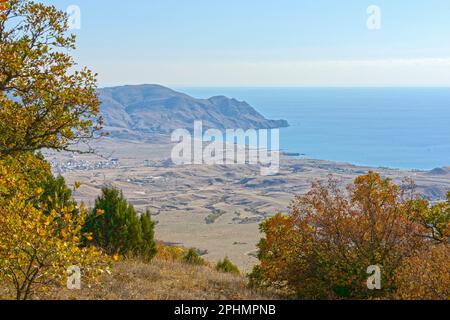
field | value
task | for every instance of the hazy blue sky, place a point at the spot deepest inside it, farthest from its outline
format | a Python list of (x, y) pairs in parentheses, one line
[(268, 43)]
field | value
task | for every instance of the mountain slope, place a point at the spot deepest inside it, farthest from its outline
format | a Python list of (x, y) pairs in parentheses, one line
[(134, 111), (164, 280)]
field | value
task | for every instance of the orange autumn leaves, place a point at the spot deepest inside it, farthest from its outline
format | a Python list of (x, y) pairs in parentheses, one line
[(4, 4), (322, 249)]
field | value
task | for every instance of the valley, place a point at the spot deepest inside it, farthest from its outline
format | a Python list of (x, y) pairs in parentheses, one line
[(216, 209)]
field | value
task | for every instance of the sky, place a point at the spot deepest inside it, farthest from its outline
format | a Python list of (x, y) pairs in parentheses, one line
[(264, 43)]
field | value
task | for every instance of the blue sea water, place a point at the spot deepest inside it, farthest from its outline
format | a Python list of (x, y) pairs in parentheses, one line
[(406, 128)]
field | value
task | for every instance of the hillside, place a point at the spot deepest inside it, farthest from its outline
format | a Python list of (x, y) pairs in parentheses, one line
[(137, 111), (163, 280)]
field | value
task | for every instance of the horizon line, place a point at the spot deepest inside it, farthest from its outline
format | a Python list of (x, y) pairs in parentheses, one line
[(102, 86)]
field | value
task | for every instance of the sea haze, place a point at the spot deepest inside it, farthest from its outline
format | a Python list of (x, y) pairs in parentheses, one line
[(406, 128)]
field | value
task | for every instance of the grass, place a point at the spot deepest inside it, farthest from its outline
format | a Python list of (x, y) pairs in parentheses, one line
[(169, 276), (163, 279)]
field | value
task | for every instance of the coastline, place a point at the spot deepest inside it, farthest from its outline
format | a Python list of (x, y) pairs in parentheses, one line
[(216, 209), (394, 127)]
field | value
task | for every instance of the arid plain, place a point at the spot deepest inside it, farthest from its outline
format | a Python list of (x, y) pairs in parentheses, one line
[(216, 209)]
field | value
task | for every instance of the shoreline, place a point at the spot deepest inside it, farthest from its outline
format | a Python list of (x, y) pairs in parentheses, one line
[(165, 138), (214, 208)]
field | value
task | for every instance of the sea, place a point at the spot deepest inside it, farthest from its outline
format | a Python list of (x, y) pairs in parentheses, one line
[(405, 128)]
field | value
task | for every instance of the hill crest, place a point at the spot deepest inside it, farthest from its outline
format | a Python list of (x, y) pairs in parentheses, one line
[(136, 111)]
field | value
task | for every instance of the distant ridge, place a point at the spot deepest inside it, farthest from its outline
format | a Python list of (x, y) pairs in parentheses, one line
[(439, 171), (134, 112)]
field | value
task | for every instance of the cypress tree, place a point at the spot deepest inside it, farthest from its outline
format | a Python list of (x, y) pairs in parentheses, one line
[(148, 249), (116, 227)]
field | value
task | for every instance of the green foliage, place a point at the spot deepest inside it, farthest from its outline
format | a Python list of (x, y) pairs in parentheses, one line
[(116, 227), (56, 193), (436, 218), (227, 266), (148, 247), (210, 219), (37, 243), (192, 257), (46, 102)]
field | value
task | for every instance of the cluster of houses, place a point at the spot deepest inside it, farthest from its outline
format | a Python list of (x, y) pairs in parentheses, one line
[(83, 165)]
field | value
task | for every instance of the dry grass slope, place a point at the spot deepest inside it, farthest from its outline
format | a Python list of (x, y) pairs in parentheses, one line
[(165, 280)]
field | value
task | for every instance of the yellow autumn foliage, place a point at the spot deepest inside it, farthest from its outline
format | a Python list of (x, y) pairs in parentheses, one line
[(44, 101), (37, 248), (426, 275)]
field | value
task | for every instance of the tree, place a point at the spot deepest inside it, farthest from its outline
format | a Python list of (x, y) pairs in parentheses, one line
[(55, 193), (425, 275), (435, 219), (148, 247), (42, 103), (37, 245), (116, 227), (323, 248)]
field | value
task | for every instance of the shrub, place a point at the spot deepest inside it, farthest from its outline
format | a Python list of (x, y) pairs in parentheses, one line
[(170, 253), (322, 249), (210, 219), (227, 266), (192, 257), (37, 245)]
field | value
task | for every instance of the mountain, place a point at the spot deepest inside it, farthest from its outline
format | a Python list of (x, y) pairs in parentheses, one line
[(136, 111)]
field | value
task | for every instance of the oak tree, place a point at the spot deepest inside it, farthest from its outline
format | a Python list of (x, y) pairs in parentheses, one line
[(43, 103), (324, 247)]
